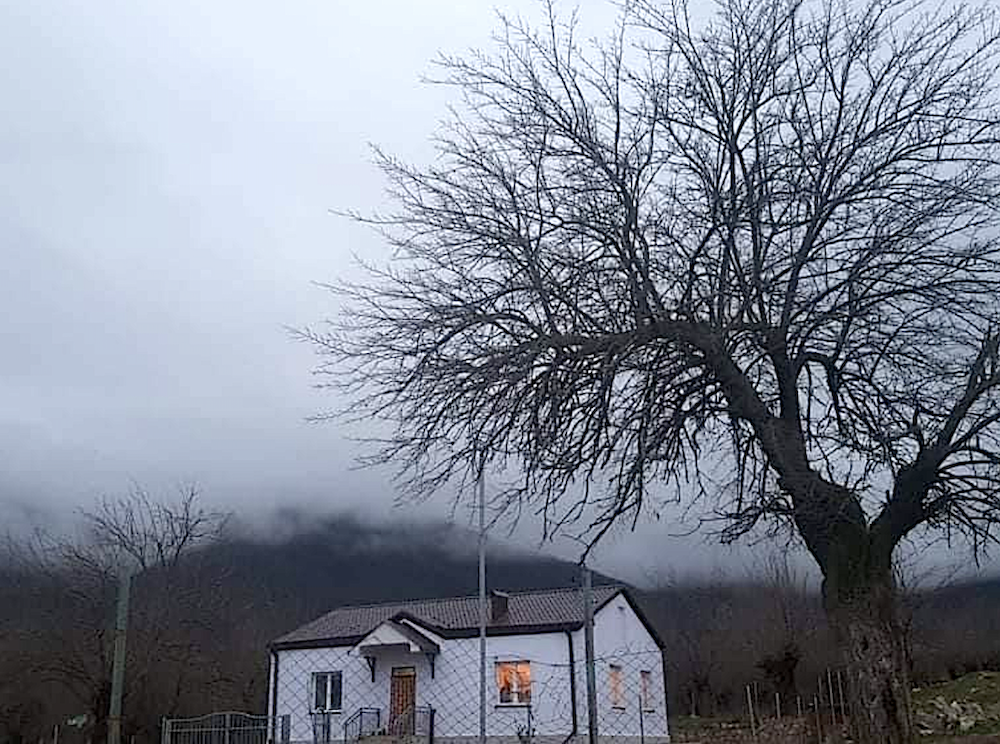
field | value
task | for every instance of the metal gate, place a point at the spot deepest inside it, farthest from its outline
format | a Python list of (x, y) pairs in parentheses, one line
[(226, 728)]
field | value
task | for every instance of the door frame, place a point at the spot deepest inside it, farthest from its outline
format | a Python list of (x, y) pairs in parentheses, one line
[(408, 672)]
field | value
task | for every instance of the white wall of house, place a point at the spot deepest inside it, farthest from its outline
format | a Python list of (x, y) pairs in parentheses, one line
[(620, 639)]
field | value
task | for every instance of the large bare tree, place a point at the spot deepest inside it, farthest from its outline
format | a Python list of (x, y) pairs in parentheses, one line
[(752, 262)]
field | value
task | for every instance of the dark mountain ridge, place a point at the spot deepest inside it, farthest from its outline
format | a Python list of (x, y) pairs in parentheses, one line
[(343, 560)]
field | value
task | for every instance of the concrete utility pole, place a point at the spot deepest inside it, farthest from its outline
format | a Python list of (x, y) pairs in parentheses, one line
[(483, 609), (588, 641), (118, 668)]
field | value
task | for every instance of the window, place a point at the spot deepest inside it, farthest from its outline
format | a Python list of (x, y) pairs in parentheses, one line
[(616, 693), (514, 682), (646, 677), (327, 691)]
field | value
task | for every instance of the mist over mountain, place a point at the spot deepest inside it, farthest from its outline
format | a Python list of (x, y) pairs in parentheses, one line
[(311, 564)]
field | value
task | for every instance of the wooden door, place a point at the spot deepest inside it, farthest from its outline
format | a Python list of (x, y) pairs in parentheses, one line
[(402, 700)]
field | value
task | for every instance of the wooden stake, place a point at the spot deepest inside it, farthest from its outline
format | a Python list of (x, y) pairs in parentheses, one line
[(843, 708), (833, 706)]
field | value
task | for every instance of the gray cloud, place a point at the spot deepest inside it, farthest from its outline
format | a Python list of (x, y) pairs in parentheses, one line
[(167, 174)]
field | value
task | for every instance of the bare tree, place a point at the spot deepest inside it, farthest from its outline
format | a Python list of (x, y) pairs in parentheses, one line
[(708, 630), (753, 264), (68, 586), (787, 627)]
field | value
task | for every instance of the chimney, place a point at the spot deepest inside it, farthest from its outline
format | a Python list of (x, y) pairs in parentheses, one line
[(499, 607)]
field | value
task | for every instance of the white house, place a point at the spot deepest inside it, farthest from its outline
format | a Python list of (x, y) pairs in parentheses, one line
[(412, 669)]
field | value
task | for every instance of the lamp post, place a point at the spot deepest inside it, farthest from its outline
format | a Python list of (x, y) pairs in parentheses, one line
[(482, 604)]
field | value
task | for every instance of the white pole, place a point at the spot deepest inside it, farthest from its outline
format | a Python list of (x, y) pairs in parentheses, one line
[(482, 604), (588, 648)]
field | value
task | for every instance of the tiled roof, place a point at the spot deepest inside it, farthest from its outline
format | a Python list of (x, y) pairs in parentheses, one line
[(526, 611)]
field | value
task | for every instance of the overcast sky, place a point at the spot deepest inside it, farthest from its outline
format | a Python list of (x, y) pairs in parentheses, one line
[(167, 171)]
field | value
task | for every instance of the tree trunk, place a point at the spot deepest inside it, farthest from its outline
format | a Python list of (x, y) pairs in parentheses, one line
[(864, 620)]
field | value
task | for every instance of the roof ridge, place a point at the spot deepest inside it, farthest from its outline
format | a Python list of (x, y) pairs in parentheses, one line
[(556, 607), (566, 589), (438, 600), (391, 602)]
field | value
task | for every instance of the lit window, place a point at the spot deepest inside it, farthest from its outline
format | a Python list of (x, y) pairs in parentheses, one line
[(615, 689), (514, 682), (647, 689), (327, 691)]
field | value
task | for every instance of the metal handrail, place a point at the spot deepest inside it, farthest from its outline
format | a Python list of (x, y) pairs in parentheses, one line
[(358, 721), (322, 724), (418, 720), (405, 715)]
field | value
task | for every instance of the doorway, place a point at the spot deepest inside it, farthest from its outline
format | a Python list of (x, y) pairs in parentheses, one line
[(402, 700)]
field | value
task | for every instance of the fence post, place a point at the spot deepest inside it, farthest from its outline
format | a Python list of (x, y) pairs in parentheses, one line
[(801, 722), (753, 727), (843, 708), (118, 662), (165, 731), (833, 704), (430, 727), (642, 722)]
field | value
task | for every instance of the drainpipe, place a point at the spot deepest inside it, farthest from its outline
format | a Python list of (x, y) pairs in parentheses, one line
[(274, 696), (572, 685)]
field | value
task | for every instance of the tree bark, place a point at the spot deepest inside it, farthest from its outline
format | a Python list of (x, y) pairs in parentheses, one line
[(859, 593), (864, 619)]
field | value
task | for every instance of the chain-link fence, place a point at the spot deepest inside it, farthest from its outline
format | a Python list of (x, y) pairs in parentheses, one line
[(402, 682), (630, 697), (533, 694)]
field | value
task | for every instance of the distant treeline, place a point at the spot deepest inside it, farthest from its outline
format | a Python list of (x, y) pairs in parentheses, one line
[(772, 632)]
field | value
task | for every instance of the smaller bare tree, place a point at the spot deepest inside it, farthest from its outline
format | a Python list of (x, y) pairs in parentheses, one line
[(75, 577), (150, 532), (787, 626)]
